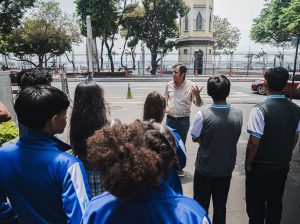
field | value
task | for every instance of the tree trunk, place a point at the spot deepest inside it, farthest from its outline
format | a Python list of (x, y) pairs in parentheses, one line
[(41, 59), (124, 46), (96, 55), (153, 62), (109, 53), (101, 54)]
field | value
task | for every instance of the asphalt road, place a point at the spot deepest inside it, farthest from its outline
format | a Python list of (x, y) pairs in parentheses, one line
[(242, 97)]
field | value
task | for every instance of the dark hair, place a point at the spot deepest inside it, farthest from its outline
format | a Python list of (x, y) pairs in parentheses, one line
[(277, 78), (33, 77), (131, 157), (182, 69), (38, 104), (218, 87), (88, 115), (154, 107)]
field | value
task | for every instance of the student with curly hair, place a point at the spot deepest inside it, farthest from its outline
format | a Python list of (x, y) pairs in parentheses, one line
[(88, 115), (155, 108), (133, 161)]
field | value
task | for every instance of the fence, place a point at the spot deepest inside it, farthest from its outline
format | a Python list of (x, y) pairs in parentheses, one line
[(239, 61)]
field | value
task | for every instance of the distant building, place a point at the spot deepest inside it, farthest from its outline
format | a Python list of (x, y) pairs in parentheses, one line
[(195, 43)]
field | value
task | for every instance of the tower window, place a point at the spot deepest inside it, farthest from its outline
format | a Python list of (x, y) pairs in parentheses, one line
[(185, 51), (199, 21), (186, 23)]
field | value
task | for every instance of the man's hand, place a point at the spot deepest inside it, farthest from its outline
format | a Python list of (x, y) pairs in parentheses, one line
[(196, 91), (167, 109)]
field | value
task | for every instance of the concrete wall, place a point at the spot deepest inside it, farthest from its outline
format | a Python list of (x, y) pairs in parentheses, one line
[(6, 95)]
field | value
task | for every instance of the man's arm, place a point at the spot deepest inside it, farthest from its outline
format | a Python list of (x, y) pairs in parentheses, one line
[(252, 147), (4, 113)]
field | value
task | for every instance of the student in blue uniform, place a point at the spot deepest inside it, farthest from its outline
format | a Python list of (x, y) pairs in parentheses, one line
[(43, 183), (155, 108), (133, 160), (7, 215), (88, 115)]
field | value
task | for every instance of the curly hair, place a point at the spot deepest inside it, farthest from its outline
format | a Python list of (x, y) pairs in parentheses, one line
[(154, 107), (131, 157), (88, 115)]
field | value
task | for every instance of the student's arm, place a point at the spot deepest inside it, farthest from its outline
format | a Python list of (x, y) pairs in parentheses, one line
[(197, 127), (252, 147), (256, 125), (295, 141), (76, 193), (4, 113)]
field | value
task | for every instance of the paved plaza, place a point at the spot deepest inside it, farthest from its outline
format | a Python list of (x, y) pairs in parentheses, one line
[(242, 97)]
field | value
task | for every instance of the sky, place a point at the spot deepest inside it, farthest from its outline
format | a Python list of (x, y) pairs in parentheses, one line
[(240, 13)]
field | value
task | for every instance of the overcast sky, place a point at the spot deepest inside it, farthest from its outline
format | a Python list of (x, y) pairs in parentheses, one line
[(240, 13)]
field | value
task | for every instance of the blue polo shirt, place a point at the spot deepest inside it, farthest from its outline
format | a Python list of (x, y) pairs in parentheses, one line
[(150, 206), (43, 183)]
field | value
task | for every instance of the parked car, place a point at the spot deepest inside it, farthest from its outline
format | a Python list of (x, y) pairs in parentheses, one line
[(258, 86)]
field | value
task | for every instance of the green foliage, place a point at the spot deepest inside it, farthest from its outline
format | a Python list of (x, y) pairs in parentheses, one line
[(226, 36), (8, 131), (46, 33), (290, 18), (11, 12), (104, 16), (267, 28), (159, 26)]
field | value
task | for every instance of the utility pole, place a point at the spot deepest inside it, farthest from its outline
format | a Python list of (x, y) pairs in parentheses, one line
[(89, 42), (297, 40)]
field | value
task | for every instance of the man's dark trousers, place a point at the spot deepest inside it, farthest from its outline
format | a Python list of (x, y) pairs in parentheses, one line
[(206, 187), (264, 191), (180, 124)]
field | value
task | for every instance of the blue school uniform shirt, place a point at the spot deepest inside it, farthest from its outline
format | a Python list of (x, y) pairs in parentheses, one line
[(174, 180), (43, 183), (150, 206), (7, 215)]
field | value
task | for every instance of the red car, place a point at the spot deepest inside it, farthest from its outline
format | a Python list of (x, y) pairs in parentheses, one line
[(258, 86)]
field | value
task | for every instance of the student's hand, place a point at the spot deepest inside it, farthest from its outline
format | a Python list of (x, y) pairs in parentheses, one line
[(196, 91), (167, 109)]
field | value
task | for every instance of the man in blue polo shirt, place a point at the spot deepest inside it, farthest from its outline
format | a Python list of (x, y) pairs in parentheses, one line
[(43, 183), (273, 127)]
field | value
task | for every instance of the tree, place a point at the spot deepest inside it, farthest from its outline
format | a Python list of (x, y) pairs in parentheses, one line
[(48, 32), (105, 17), (159, 26), (11, 13), (226, 36), (290, 18), (267, 28), (133, 17)]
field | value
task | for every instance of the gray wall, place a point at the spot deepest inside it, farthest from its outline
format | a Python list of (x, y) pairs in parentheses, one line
[(6, 95)]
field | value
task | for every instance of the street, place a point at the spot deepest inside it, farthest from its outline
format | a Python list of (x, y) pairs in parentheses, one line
[(242, 97)]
